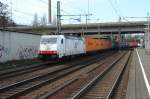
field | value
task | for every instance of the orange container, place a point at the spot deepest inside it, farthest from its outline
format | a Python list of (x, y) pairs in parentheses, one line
[(93, 44)]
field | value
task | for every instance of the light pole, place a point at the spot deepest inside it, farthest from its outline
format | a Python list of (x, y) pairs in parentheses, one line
[(11, 10), (148, 35), (119, 34), (88, 11), (49, 11), (87, 16), (58, 18)]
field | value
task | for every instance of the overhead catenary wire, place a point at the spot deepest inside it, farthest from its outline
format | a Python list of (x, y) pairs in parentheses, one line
[(18, 11), (24, 13), (63, 11), (30, 14), (75, 8), (118, 14), (46, 3), (27, 13), (127, 20), (113, 7)]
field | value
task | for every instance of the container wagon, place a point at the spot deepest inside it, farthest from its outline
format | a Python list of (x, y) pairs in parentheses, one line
[(115, 44), (93, 45), (61, 46), (133, 44), (124, 45)]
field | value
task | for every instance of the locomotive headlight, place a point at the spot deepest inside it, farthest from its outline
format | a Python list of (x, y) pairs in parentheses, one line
[(47, 48)]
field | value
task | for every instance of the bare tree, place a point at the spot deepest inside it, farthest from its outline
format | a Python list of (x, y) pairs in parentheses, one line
[(43, 21), (54, 22), (5, 20), (3, 15), (35, 21)]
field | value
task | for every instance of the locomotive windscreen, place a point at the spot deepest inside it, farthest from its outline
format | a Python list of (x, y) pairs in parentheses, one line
[(49, 40)]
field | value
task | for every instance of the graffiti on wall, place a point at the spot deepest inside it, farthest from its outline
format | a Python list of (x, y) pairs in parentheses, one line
[(27, 52), (3, 51)]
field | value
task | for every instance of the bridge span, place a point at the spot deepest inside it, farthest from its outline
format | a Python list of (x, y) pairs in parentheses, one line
[(91, 28)]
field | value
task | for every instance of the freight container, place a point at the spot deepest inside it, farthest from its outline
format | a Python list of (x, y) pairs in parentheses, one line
[(115, 44), (93, 44), (124, 45), (133, 44)]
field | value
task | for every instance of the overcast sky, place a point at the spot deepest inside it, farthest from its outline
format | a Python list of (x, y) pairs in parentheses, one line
[(102, 10)]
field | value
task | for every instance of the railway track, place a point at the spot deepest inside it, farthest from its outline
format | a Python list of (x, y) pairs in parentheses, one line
[(18, 76), (121, 89), (103, 85), (96, 83), (16, 64), (12, 90), (29, 69), (71, 77), (22, 70)]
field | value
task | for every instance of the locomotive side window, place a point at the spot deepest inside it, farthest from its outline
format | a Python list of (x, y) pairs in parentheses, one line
[(49, 41), (62, 41)]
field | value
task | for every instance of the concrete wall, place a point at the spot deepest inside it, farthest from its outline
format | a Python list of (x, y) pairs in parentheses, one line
[(18, 46)]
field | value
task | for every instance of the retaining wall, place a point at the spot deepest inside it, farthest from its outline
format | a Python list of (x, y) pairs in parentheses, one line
[(18, 46)]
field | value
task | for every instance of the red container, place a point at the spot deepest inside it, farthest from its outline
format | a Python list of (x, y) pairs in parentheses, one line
[(133, 44)]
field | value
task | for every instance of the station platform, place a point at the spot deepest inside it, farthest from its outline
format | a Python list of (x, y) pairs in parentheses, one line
[(139, 76)]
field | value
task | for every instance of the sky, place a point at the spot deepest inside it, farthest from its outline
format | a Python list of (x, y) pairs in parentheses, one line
[(23, 11)]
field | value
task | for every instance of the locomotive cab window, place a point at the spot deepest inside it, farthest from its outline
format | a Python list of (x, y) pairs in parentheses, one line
[(61, 41), (49, 41)]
